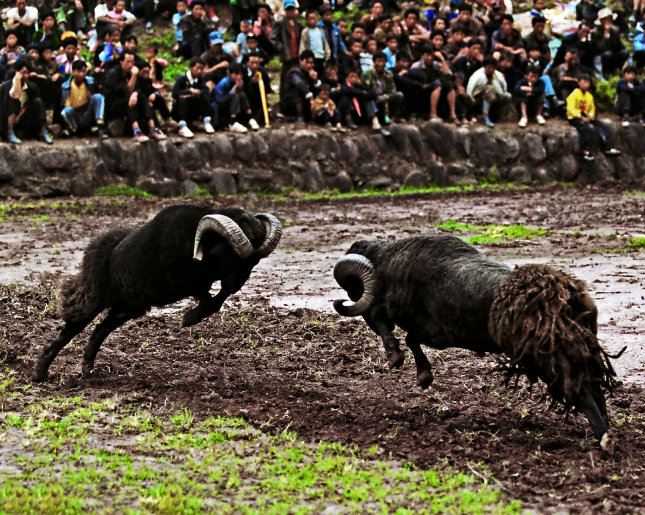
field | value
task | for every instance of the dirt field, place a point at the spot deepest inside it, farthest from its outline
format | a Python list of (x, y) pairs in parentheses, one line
[(280, 357)]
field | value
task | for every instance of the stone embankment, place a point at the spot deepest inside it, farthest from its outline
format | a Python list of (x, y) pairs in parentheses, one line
[(314, 159)]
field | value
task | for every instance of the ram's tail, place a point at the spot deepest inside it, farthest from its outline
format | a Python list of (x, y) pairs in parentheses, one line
[(86, 294), (545, 322)]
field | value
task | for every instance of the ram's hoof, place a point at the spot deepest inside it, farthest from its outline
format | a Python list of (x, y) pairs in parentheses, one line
[(425, 379), (86, 368), (396, 359), (40, 376), (191, 317), (607, 443)]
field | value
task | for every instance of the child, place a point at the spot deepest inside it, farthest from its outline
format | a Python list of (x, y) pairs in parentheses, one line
[(9, 54), (390, 52), (67, 58), (538, 8), (530, 97), (313, 38), (182, 8), (145, 85), (343, 28), (157, 66), (246, 29), (252, 48), (48, 31), (367, 55), (581, 113), (121, 18), (331, 79), (82, 106), (324, 112), (231, 99), (629, 101), (107, 55)]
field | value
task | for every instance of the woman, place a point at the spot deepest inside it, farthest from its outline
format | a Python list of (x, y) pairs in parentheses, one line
[(262, 27)]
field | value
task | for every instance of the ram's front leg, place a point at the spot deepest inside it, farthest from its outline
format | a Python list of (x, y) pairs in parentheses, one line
[(425, 377), (383, 326)]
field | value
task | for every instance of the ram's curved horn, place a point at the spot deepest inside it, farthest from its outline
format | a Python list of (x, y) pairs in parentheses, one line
[(355, 265), (273, 233), (225, 227)]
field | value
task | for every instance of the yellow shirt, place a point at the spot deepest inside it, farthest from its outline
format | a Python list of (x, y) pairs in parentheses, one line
[(78, 96), (579, 103)]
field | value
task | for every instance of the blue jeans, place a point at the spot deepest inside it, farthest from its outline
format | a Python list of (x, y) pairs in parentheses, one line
[(85, 119)]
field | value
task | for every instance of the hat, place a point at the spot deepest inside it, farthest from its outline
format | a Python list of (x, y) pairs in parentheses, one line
[(215, 38), (605, 13), (289, 4)]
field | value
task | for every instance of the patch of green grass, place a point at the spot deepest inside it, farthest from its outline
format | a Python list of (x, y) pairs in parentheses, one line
[(637, 243), (493, 233), (73, 456), (121, 190), (635, 192)]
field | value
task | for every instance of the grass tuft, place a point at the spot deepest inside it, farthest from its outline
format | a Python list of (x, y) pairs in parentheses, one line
[(121, 190), (493, 233)]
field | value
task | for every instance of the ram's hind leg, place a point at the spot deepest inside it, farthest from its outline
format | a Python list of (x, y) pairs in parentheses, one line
[(383, 327), (425, 377), (112, 321), (68, 332)]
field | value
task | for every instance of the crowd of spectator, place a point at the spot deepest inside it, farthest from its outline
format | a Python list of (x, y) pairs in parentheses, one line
[(460, 63)]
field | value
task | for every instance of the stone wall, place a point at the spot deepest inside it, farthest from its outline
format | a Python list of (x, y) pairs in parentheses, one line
[(314, 159)]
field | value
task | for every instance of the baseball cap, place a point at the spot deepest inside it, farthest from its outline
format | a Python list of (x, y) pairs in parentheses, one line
[(215, 38), (290, 4)]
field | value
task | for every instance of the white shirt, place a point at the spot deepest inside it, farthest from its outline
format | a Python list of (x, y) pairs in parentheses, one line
[(31, 14)]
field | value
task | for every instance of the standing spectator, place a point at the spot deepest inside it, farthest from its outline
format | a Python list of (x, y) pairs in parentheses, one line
[(22, 20), (254, 73), (343, 28), (581, 113), (216, 59), (413, 31), (22, 106), (538, 8), (285, 38), (529, 94), (313, 38), (83, 107), (246, 29), (191, 99), (233, 105), (471, 61), (432, 71), (300, 90), (487, 88), (508, 39), (629, 96), (182, 9), (367, 55), (639, 46), (252, 48), (539, 39), (195, 28), (388, 99), (352, 59), (107, 54), (324, 111), (10, 53), (262, 28), (144, 9), (607, 44), (332, 34), (473, 28)]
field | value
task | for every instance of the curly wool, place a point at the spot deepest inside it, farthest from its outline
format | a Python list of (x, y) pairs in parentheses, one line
[(545, 322)]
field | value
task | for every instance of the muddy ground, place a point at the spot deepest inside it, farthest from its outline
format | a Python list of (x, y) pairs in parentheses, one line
[(280, 357)]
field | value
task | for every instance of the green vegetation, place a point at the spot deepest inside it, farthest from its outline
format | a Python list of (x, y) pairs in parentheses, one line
[(121, 190), (176, 65), (68, 455), (605, 97), (493, 233), (637, 244)]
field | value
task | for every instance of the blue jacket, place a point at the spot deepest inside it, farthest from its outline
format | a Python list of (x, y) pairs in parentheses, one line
[(67, 86), (639, 39), (224, 89), (336, 41)]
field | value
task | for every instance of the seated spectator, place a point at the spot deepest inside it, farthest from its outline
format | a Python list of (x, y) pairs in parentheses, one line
[(371, 19), (233, 105), (262, 28), (390, 52), (324, 111), (132, 43), (433, 12), (22, 19), (122, 100), (83, 107), (537, 61), (471, 61), (367, 55), (331, 79), (495, 16), (107, 54), (101, 17), (10, 53), (195, 28), (473, 28), (511, 73), (358, 104), (42, 70), (568, 74), (508, 39), (358, 31), (537, 38), (254, 74), (455, 47), (581, 41), (66, 59), (246, 29), (146, 86), (216, 59), (182, 9), (411, 89), (638, 56), (48, 31), (607, 44), (23, 109), (630, 97), (463, 103), (388, 99), (487, 88), (432, 72), (587, 10), (191, 99), (384, 29), (343, 30), (581, 113), (313, 38), (438, 42), (121, 18), (529, 96), (352, 59), (301, 87), (413, 31), (538, 8), (157, 66)]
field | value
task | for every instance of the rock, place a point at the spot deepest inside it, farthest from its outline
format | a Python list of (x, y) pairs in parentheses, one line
[(634, 136), (349, 150), (342, 182), (398, 138), (379, 183), (508, 149), (222, 182), (554, 144), (624, 168), (224, 151), (54, 160), (439, 137), (261, 147), (280, 144), (416, 141), (116, 128), (369, 170), (520, 174), (333, 151), (112, 154), (6, 174), (189, 188), (190, 156), (463, 142), (416, 179), (459, 173), (566, 168), (314, 180), (162, 187), (533, 148), (100, 169), (599, 170), (305, 143), (169, 156), (244, 149), (571, 143), (483, 150), (84, 185), (541, 175), (640, 167), (367, 150), (254, 180), (439, 173)]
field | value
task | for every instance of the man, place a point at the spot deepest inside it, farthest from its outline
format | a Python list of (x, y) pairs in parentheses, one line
[(487, 88), (370, 20), (195, 28), (254, 71), (430, 71), (285, 38), (82, 106), (217, 61), (23, 20), (233, 105), (568, 74), (471, 61), (581, 41), (191, 99), (413, 31), (511, 73), (335, 42), (529, 93), (473, 28), (131, 43), (539, 38), (508, 39), (378, 79), (300, 89), (607, 44), (103, 21)]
